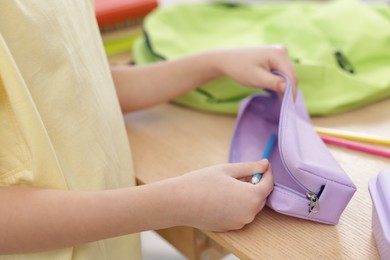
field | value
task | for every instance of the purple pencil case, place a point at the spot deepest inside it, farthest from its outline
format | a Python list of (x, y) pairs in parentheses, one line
[(380, 195), (309, 183)]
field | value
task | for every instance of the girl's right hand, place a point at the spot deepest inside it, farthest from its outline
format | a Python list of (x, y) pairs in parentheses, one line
[(215, 198)]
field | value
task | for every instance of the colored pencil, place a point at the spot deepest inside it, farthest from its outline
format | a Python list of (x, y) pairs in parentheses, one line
[(352, 135), (355, 146), (266, 154)]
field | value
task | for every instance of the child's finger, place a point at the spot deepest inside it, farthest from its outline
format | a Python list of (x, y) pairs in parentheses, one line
[(288, 69), (247, 169), (266, 183), (270, 81)]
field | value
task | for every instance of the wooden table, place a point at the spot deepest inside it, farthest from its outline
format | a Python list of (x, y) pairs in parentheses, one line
[(169, 140)]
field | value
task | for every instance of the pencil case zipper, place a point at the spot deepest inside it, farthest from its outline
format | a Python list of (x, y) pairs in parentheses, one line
[(314, 206), (313, 198)]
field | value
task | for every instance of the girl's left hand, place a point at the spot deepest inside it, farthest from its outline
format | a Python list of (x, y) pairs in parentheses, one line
[(252, 66)]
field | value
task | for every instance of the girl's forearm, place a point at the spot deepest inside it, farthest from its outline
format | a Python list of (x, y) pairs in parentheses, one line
[(137, 86), (34, 220)]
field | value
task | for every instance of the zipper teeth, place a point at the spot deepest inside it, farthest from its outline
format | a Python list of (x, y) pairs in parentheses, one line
[(290, 190), (286, 95), (292, 175)]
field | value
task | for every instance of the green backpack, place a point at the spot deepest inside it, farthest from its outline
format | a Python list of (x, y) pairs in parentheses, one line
[(341, 49)]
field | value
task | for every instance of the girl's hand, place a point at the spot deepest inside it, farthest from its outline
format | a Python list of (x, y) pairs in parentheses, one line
[(215, 199), (253, 66)]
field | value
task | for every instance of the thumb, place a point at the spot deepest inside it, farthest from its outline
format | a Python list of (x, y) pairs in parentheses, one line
[(271, 81), (246, 169)]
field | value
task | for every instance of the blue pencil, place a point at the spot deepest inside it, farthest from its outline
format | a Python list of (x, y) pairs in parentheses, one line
[(266, 154)]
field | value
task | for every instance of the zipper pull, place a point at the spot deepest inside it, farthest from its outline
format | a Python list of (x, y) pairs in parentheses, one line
[(314, 207), (343, 61)]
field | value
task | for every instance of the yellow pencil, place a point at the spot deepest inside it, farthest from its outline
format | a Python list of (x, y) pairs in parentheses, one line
[(352, 135)]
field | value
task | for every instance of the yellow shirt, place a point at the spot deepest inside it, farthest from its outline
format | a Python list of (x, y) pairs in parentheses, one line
[(61, 124)]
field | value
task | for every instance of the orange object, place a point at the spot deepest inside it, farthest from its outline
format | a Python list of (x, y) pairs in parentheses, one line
[(113, 12)]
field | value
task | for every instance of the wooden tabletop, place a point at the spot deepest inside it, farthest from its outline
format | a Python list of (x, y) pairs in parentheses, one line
[(169, 140)]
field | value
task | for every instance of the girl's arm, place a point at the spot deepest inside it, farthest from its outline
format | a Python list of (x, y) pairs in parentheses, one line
[(33, 220), (147, 85)]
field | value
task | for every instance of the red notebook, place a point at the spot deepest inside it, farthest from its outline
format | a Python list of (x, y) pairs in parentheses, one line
[(112, 12)]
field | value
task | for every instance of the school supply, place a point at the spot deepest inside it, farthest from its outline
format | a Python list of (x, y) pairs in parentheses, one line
[(340, 48), (120, 22), (355, 146), (380, 196), (352, 135), (309, 183), (266, 154)]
